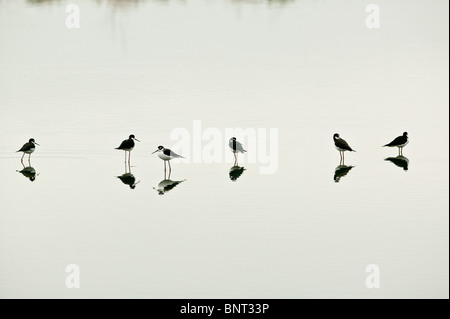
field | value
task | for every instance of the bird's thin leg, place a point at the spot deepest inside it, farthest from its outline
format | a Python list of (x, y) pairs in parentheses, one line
[(22, 157), (170, 168), (129, 157), (125, 156), (343, 158), (164, 168), (29, 159)]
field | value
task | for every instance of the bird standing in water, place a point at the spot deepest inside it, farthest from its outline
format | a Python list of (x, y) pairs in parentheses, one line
[(341, 146), (399, 142), (28, 148), (166, 155), (127, 146), (236, 147)]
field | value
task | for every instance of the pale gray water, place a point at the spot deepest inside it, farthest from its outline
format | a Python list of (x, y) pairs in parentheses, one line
[(309, 68)]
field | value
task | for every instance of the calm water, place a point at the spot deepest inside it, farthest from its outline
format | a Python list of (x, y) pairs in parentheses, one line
[(308, 68)]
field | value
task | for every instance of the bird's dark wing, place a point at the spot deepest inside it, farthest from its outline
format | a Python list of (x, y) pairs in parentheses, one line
[(125, 145), (398, 141), (343, 144), (172, 153), (239, 147), (26, 147), (236, 146)]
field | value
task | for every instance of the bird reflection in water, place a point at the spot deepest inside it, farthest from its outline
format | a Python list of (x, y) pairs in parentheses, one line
[(236, 172), (167, 184), (128, 178), (29, 172), (341, 171), (400, 161)]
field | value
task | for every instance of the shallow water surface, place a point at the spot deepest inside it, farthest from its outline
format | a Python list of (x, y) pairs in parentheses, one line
[(306, 68)]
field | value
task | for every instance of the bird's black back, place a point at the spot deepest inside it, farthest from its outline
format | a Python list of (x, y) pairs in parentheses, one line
[(342, 144), (127, 144), (398, 141), (26, 147)]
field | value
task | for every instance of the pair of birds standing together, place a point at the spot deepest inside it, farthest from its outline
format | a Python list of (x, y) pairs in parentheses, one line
[(342, 145), (166, 154)]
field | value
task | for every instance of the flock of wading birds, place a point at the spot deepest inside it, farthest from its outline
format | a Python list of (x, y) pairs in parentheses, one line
[(236, 147)]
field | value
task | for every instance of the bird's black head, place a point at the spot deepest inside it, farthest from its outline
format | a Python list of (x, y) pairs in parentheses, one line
[(232, 139), (405, 134), (32, 140), (335, 136), (159, 149), (132, 137)]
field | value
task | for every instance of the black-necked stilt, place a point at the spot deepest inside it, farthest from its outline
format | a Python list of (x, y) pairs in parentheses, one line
[(341, 146), (236, 172), (28, 148), (127, 146), (341, 171), (400, 161), (399, 142), (236, 147), (166, 155)]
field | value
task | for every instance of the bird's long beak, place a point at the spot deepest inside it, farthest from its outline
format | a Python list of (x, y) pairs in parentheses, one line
[(37, 144), (136, 139), (155, 152)]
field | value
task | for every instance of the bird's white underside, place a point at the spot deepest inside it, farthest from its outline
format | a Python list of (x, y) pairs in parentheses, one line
[(164, 157), (341, 149), (402, 145), (31, 150)]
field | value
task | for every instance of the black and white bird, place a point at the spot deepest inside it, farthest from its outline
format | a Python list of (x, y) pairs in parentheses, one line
[(166, 155), (341, 146), (28, 148), (236, 147), (399, 142), (128, 146)]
